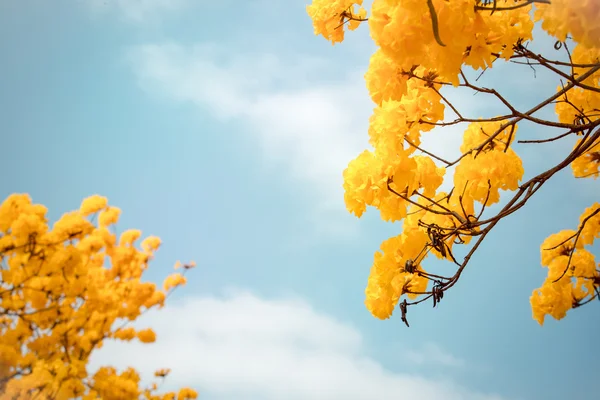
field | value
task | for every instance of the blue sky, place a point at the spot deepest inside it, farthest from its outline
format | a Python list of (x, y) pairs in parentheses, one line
[(223, 128)]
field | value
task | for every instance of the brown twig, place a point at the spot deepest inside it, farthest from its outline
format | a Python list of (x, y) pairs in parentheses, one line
[(524, 4)]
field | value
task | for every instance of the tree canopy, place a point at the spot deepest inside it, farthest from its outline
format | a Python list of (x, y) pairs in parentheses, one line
[(66, 289), (425, 49)]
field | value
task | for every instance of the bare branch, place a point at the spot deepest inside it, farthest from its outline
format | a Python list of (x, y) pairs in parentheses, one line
[(524, 4)]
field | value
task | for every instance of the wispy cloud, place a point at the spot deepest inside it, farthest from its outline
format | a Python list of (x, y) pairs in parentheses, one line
[(241, 345), (137, 11), (307, 127), (315, 129), (431, 353)]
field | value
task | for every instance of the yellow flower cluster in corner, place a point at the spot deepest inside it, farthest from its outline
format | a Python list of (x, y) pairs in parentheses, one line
[(422, 46), (577, 19), (66, 289)]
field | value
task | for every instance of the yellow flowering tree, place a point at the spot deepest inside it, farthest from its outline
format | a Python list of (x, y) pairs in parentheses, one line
[(66, 289), (424, 48)]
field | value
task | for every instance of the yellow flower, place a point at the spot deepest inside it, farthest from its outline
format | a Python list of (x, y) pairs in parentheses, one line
[(328, 17), (10, 209), (173, 281), (129, 236), (161, 373), (109, 216), (125, 334), (146, 336), (591, 229), (187, 393), (93, 204), (151, 243)]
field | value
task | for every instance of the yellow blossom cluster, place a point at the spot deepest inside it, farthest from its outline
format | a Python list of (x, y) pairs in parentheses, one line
[(444, 35), (497, 166), (66, 289), (422, 46), (577, 19), (330, 17), (573, 275), (580, 106)]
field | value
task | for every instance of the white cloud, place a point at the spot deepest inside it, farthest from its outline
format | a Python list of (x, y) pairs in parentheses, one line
[(242, 346), (313, 129), (137, 10), (431, 353), (309, 129)]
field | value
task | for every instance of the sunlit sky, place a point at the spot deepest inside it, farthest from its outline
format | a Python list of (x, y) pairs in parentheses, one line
[(223, 127)]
